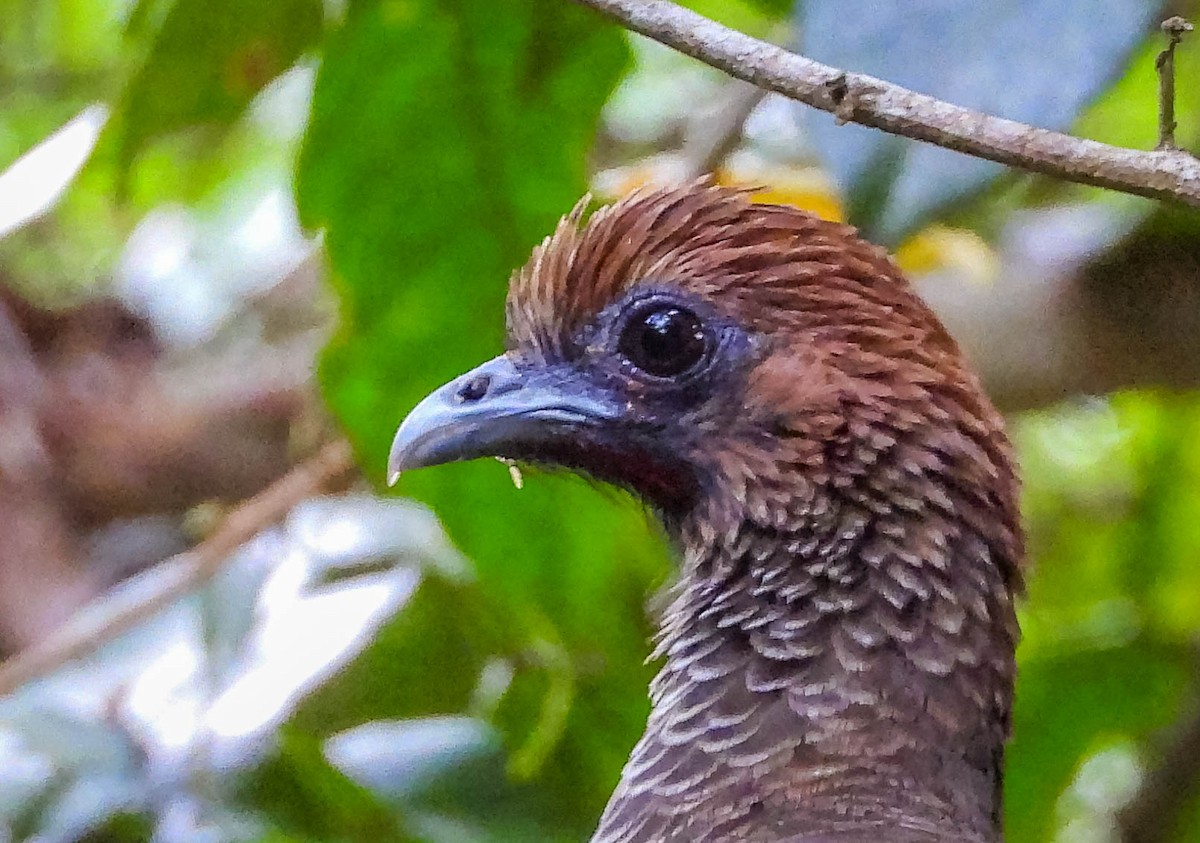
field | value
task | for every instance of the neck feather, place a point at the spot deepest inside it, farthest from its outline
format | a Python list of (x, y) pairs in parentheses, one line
[(834, 673)]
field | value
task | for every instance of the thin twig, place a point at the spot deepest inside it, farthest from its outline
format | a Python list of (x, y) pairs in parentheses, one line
[(1174, 27), (184, 572), (854, 97)]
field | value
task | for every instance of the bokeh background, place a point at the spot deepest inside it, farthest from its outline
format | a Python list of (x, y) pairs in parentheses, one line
[(235, 231)]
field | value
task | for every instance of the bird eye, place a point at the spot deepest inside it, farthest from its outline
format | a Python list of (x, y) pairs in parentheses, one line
[(663, 340)]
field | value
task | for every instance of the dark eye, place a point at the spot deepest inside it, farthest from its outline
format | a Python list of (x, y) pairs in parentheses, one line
[(663, 340)]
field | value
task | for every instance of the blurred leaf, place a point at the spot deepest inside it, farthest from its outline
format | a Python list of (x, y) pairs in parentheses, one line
[(345, 536), (754, 17), (88, 801), (146, 16), (1069, 706), (306, 627), (402, 757), (122, 826), (446, 139), (446, 774), (62, 774), (1108, 659), (778, 8), (36, 180), (172, 706), (425, 660), (207, 61), (1036, 61), (307, 798), (226, 610)]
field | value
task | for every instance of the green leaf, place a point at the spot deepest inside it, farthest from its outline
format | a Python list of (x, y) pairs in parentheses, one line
[(400, 758), (446, 774), (426, 659), (446, 139), (307, 798), (207, 61), (760, 18), (1072, 705)]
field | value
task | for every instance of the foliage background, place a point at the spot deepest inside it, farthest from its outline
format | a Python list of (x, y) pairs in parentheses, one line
[(488, 686)]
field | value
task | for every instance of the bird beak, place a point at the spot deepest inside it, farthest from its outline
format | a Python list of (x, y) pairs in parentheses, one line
[(497, 410)]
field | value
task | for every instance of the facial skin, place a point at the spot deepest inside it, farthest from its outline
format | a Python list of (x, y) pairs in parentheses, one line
[(631, 400)]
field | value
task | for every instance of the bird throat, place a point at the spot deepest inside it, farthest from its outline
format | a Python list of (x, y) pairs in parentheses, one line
[(832, 674)]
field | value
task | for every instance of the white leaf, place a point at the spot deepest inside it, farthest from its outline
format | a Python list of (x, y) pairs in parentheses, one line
[(36, 180)]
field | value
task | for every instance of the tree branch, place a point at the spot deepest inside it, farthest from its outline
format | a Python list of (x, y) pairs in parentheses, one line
[(180, 574), (853, 97)]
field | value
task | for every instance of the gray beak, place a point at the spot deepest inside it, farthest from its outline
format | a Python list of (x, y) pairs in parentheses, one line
[(497, 410)]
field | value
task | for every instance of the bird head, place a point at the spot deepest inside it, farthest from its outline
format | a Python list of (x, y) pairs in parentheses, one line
[(728, 360), (843, 492)]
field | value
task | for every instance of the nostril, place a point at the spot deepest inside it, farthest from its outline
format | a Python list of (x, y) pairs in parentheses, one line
[(474, 389)]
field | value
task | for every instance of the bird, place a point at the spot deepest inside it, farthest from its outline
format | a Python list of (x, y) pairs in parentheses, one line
[(838, 649)]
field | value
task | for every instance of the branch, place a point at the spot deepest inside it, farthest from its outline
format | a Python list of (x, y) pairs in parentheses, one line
[(181, 574), (1174, 27), (853, 97)]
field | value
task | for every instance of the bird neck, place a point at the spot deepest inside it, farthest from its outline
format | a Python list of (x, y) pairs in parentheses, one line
[(842, 669)]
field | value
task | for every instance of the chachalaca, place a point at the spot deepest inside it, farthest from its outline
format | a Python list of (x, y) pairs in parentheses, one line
[(838, 652)]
